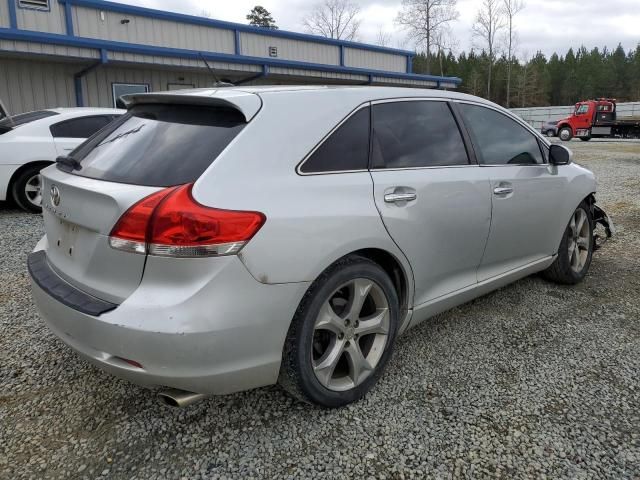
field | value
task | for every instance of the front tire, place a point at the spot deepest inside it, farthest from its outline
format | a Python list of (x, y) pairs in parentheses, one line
[(342, 334), (565, 134), (576, 249), (27, 189)]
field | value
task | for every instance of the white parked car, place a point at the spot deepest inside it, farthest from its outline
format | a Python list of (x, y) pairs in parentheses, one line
[(31, 141)]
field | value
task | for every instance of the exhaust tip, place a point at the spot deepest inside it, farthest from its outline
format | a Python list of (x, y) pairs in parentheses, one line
[(179, 398)]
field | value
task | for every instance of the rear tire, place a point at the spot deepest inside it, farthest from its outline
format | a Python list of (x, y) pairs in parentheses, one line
[(550, 133), (576, 249), (565, 134), (342, 334), (26, 189)]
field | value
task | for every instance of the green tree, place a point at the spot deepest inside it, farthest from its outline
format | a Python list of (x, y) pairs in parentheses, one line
[(260, 17), (562, 80)]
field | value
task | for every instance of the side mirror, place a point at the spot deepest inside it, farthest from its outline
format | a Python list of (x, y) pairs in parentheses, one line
[(560, 155)]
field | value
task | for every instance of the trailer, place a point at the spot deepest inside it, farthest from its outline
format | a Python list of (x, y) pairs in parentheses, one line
[(598, 119)]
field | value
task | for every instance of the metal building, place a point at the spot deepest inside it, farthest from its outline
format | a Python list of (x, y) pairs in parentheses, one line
[(57, 53)]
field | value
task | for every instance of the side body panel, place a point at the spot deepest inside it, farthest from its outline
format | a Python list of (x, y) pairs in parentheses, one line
[(524, 222), (65, 145), (18, 149), (444, 231)]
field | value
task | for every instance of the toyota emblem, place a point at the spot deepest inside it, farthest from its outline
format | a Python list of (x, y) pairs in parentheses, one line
[(55, 196)]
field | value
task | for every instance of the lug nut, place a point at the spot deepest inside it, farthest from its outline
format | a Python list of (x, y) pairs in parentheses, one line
[(341, 336), (357, 323), (346, 322)]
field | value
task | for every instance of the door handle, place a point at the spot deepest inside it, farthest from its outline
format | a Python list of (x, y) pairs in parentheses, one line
[(503, 190), (400, 197)]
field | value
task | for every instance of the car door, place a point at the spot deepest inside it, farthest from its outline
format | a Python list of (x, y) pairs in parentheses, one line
[(68, 134), (434, 202), (525, 190)]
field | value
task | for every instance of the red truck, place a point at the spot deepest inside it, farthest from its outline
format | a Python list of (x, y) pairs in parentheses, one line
[(598, 118)]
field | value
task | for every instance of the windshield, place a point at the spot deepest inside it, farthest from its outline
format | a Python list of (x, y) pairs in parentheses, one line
[(583, 108), (158, 145)]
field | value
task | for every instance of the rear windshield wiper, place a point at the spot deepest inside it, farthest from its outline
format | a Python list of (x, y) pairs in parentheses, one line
[(68, 163)]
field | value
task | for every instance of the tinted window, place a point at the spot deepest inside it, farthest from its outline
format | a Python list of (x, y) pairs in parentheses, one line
[(159, 145), (24, 118), (82, 127), (416, 134), (346, 149), (498, 139)]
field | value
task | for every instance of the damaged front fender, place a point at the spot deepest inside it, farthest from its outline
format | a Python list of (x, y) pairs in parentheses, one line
[(600, 217)]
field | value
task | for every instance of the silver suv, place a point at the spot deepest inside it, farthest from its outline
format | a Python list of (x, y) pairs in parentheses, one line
[(213, 241)]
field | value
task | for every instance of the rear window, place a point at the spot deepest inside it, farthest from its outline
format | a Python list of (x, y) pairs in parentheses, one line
[(9, 123), (159, 145), (346, 149)]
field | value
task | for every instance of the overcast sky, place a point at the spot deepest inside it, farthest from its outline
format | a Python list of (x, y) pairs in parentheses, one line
[(546, 25)]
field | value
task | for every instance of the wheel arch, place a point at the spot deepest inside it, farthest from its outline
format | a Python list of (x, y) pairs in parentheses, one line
[(21, 169), (393, 267)]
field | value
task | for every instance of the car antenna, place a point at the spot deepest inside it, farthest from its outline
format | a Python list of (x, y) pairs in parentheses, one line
[(218, 82)]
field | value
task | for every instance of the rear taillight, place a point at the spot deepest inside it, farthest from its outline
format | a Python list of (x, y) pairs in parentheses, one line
[(171, 223)]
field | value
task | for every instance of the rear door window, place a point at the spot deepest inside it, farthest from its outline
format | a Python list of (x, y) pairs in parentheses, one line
[(159, 145), (346, 149), (416, 134), (82, 127)]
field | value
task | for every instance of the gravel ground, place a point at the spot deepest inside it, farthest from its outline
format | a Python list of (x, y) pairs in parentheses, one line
[(532, 381)]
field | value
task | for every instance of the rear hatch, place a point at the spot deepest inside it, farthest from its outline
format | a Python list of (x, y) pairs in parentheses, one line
[(159, 143)]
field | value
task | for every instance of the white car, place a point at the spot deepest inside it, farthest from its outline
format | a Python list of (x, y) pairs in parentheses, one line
[(31, 141)]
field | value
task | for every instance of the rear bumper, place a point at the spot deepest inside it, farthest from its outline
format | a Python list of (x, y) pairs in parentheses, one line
[(215, 335)]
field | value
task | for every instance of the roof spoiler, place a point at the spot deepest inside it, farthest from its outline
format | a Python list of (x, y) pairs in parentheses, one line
[(246, 103)]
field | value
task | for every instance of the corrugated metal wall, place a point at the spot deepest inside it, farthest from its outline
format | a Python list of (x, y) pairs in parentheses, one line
[(42, 20), (180, 62), (289, 49), (403, 82), (91, 22), (149, 31), (28, 85), (375, 60), (97, 84), (47, 49), (4, 15)]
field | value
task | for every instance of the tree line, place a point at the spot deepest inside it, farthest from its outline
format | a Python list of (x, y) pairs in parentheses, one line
[(491, 69), (540, 81)]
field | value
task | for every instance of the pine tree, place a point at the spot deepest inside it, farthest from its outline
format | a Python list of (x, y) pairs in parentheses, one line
[(260, 17)]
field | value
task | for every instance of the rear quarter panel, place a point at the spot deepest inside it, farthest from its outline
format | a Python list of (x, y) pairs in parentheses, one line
[(312, 220)]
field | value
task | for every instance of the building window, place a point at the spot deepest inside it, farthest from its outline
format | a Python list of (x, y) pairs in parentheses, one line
[(120, 89), (34, 4)]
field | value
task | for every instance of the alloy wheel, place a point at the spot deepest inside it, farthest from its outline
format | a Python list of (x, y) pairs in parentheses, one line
[(350, 334), (33, 190), (579, 240)]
